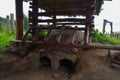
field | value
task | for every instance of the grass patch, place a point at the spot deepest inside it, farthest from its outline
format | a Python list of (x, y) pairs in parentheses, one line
[(6, 36), (104, 39)]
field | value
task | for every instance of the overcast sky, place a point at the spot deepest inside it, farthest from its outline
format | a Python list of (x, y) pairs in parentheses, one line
[(111, 12)]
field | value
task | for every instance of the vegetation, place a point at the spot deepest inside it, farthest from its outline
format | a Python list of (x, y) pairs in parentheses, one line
[(26, 23), (6, 36), (104, 39)]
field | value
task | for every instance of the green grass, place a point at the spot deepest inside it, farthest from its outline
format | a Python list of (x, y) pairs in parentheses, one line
[(6, 36), (104, 39)]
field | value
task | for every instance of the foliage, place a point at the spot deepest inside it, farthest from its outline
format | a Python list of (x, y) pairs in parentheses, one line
[(6, 36), (26, 23), (41, 34), (104, 39), (2, 20)]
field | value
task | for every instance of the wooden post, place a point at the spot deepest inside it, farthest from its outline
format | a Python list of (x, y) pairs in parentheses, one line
[(54, 20), (86, 35), (19, 19), (104, 24), (12, 27), (111, 24), (35, 17), (8, 21)]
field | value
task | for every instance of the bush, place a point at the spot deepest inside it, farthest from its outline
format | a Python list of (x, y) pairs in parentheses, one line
[(104, 39), (41, 35), (6, 36)]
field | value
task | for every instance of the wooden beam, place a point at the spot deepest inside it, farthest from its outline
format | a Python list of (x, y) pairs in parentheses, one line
[(19, 19), (65, 4), (60, 13), (90, 46), (66, 28), (59, 27), (86, 35), (70, 23), (62, 20), (66, 13), (34, 16), (54, 20)]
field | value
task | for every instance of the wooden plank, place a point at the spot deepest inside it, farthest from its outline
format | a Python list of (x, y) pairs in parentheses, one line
[(63, 13), (54, 20), (86, 36), (60, 34), (66, 28), (54, 5), (24, 37), (48, 34), (75, 23), (59, 27), (74, 31), (89, 46), (61, 20), (34, 17)]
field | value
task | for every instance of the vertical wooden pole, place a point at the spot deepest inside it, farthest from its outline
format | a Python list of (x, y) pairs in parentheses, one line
[(19, 19), (8, 22), (54, 19), (35, 17), (12, 27), (111, 25), (86, 35), (91, 32), (104, 24)]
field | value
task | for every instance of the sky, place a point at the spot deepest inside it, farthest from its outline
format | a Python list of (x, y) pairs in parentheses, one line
[(110, 12)]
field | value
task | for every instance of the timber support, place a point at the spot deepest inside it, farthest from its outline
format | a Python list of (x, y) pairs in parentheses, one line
[(19, 19)]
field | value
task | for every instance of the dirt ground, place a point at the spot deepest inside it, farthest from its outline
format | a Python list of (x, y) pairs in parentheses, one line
[(92, 64)]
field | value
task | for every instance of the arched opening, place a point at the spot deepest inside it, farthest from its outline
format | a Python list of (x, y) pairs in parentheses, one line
[(45, 61), (67, 65)]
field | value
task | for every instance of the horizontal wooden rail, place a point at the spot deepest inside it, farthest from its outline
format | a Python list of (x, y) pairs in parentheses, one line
[(59, 27), (63, 20), (60, 13), (70, 23), (90, 46)]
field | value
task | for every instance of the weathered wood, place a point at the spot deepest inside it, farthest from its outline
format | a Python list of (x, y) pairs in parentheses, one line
[(65, 13), (75, 23), (89, 46), (19, 19), (35, 37), (12, 26), (8, 21), (74, 30), (60, 34), (66, 28), (56, 5), (24, 37), (34, 16), (54, 20), (104, 25), (62, 20), (86, 36), (48, 34)]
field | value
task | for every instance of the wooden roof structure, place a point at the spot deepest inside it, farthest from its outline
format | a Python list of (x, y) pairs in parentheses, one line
[(54, 8), (72, 6)]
